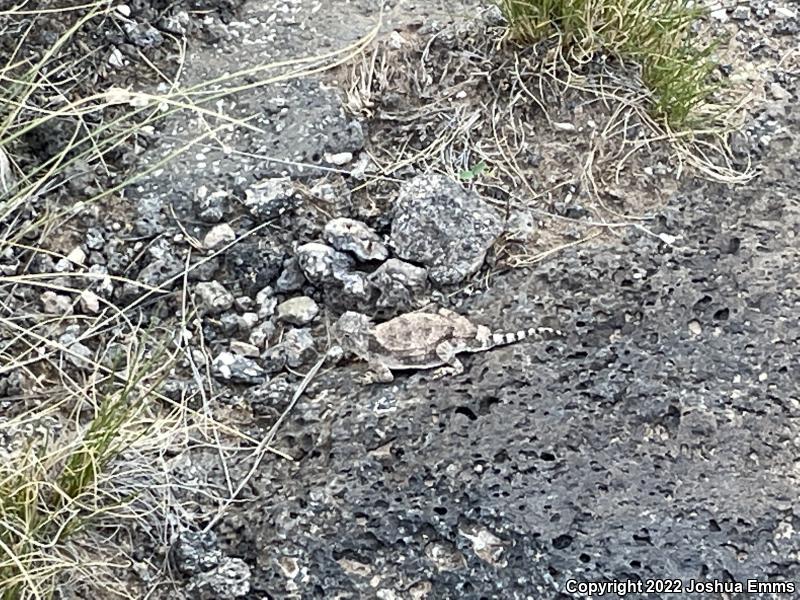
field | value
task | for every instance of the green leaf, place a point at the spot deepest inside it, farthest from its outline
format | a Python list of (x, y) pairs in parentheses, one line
[(468, 174)]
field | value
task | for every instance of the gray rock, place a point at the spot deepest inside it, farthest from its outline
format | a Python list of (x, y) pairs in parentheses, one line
[(399, 283), (261, 334), (96, 258), (237, 369), (787, 25), (9, 263), (778, 92), (89, 302), (195, 552), (143, 35), (95, 238), (56, 304), (291, 278), (244, 303), (240, 348), (77, 256), (213, 297), (161, 249), (177, 390), (521, 225), (203, 270), (336, 196), (228, 580), (255, 262), (77, 354), (247, 321), (355, 284), (445, 556), (149, 222), (720, 14), (266, 303), (298, 311), (741, 13), (270, 399), (218, 235), (335, 355), (296, 348), (115, 356), (271, 198), (212, 206), (198, 357), (63, 265), (176, 23), (350, 235), (321, 263), (299, 347), (229, 323), (362, 167), (338, 159), (158, 271), (274, 359), (444, 227), (10, 385)]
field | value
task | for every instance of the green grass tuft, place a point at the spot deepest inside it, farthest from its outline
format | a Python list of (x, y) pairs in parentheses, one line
[(675, 64)]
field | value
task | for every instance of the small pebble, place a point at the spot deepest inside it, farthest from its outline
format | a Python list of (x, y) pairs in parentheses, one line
[(89, 302), (298, 311), (56, 304), (339, 159), (778, 92), (77, 256), (244, 349), (219, 235), (741, 13), (214, 297)]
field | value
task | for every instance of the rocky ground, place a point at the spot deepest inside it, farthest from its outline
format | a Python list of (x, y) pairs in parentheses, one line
[(655, 439)]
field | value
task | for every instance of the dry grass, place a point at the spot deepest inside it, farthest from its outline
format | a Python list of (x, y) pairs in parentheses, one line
[(85, 450), (530, 127)]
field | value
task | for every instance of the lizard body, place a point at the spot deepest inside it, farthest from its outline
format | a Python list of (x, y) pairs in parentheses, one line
[(420, 340)]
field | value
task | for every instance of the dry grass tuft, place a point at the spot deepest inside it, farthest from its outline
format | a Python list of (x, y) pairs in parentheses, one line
[(533, 131)]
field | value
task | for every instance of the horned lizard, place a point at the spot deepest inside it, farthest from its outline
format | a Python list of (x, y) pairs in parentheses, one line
[(419, 340)]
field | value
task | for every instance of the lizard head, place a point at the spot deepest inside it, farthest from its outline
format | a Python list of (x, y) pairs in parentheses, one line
[(352, 332)]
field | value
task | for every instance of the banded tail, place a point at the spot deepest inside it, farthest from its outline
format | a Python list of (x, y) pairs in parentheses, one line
[(511, 337)]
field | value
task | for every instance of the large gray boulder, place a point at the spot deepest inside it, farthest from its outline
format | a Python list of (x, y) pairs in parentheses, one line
[(440, 225)]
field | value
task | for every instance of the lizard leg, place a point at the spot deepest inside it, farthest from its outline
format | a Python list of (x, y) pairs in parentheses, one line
[(378, 373), (446, 352)]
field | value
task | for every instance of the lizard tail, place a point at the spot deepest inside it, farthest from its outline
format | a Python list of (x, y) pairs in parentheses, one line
[(503, 339)]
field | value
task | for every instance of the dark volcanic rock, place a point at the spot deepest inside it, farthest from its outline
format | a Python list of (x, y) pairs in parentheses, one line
[(195, 552), (321, 263), (227, 581), (349, 235), (400, 284), (256, 262), (657, 440), (271, 198), (237, 369)]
